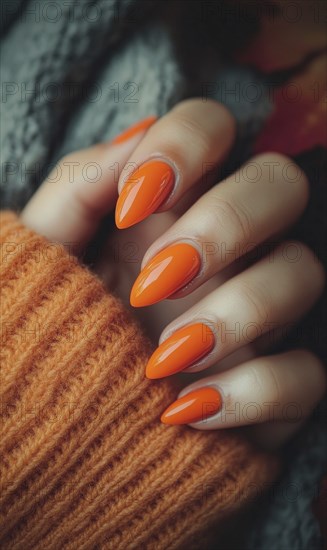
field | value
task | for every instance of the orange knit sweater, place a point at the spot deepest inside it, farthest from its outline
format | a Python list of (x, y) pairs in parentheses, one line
[(85, 461)]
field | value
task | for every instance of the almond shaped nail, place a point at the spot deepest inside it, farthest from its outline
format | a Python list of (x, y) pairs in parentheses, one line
[(167, 272), (135, 129), (144, 191), (181, 350), (195, 406)]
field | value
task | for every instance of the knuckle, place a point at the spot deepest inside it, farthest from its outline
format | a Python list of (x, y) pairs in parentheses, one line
[(190, 131), (273, 381), (195, 110), (257, 301), (308, 261), (264, 380), (284, 170), (232, 218), (255, 378)]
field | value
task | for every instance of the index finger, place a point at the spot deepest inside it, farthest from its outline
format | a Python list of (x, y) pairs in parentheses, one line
[(177, 152)]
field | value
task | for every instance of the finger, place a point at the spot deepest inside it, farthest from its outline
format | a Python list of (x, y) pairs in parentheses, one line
[(280, 388), (180, 149), (261, 199), (81, 189), (272, 293)]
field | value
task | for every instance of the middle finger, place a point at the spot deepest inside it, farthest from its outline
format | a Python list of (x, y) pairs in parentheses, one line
[(260, 200)]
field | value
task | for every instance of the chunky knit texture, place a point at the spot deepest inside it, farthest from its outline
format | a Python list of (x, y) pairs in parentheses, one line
[(85, 461)]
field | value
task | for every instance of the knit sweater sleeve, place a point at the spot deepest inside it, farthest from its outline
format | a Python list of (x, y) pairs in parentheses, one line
[(86, 462)]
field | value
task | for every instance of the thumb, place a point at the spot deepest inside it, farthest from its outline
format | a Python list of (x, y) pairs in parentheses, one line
[(79, 191)]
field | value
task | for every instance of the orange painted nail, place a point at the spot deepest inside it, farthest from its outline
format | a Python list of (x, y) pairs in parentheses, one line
[(144, 191), (135, 129), (197, 405), (167, 272), (181, 350)]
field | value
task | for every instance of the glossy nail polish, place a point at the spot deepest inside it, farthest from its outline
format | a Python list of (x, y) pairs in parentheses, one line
[(133, 130), (197, 405), (182, 349), (143, 192), (167, 272)]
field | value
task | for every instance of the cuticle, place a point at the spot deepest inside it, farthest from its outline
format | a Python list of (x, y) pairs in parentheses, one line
[(172, 164), (201, 361), (177, 178), (201, 271), (158, 156), (185, 240), (207, 355)]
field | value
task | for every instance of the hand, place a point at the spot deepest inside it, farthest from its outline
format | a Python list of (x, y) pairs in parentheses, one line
[(226, 302)]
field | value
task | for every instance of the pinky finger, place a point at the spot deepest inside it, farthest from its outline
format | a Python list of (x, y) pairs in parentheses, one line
[(279, 391)]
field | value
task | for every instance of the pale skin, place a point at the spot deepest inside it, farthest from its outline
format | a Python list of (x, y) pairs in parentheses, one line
[(224, 220)]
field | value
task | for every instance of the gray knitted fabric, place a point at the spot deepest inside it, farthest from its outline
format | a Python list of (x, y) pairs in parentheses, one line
[(74, 73)]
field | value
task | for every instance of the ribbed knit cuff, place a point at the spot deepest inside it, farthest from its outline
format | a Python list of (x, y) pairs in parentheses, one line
[(86, 462)]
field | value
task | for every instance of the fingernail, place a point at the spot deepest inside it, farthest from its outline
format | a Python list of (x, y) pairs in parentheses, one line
[(197, 405), (144, 191), (181, 350), (167, 272), (133, 130)]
